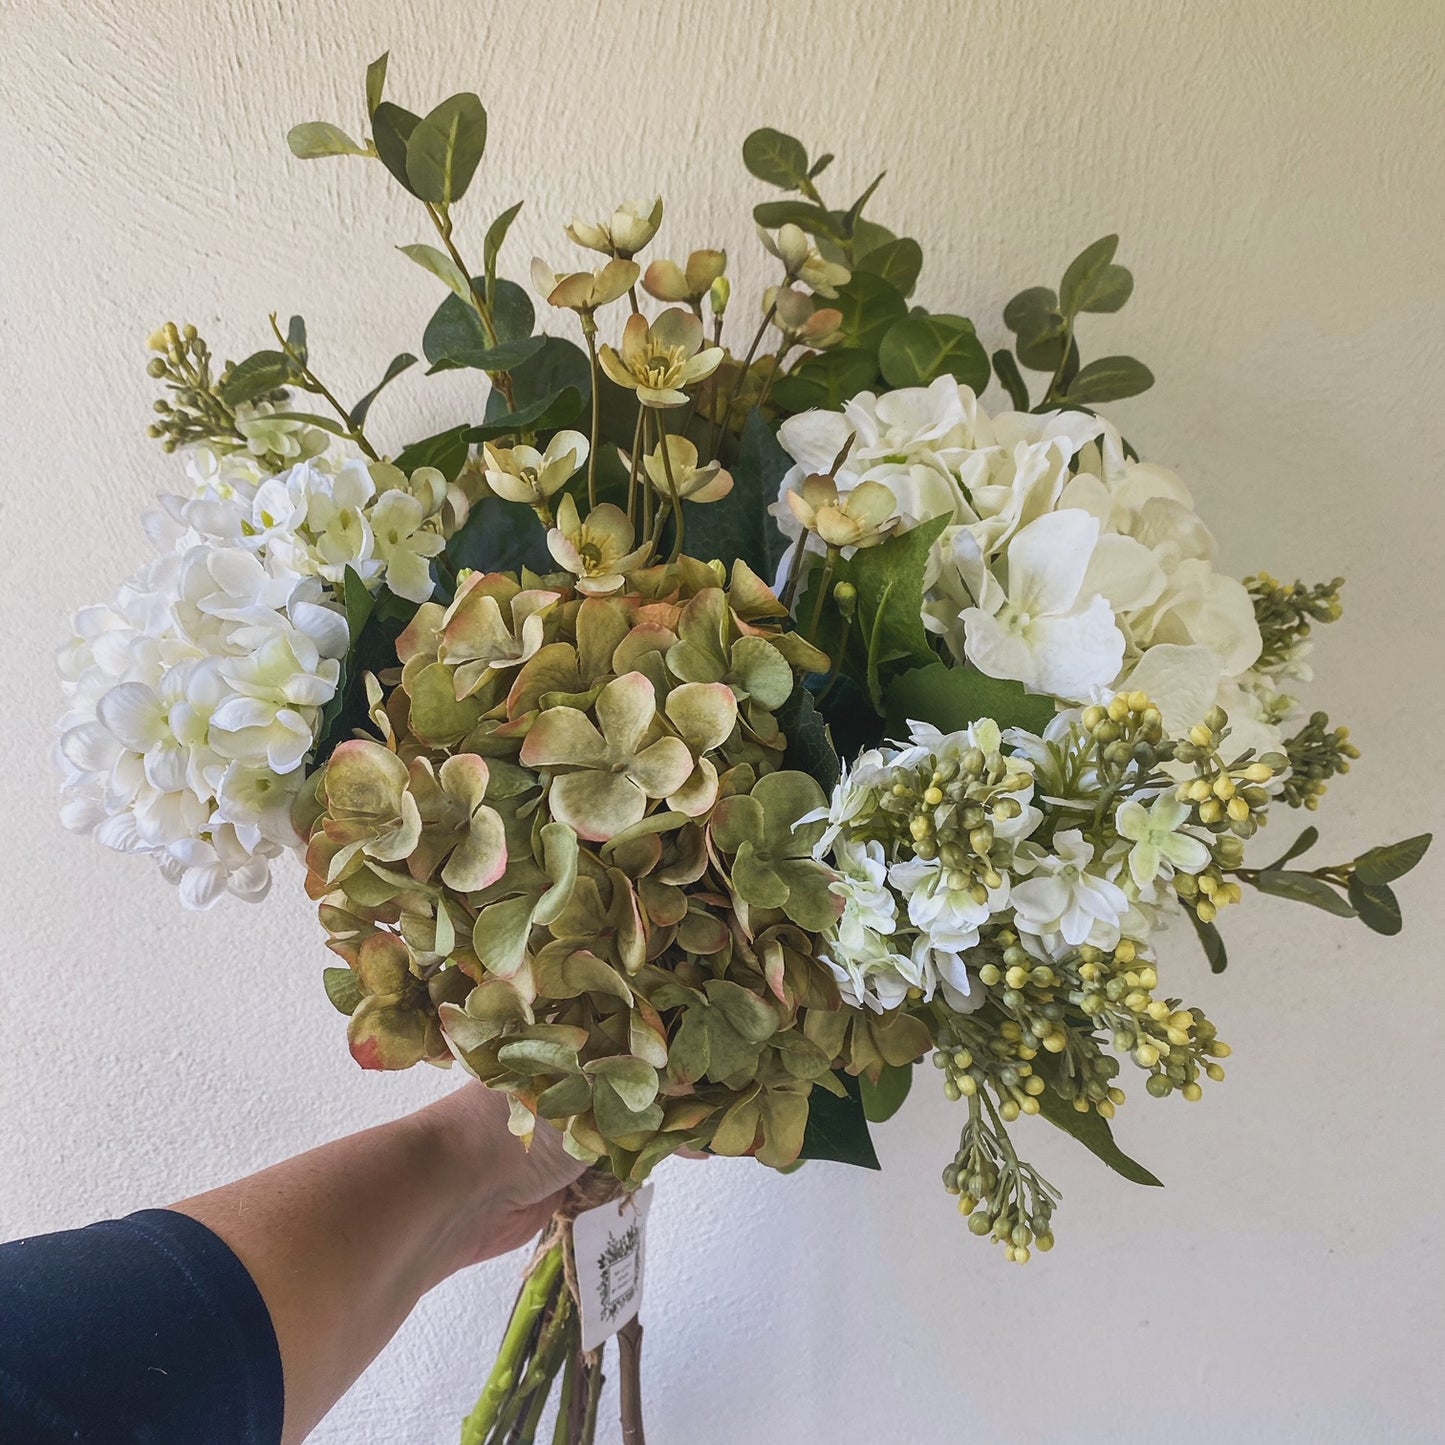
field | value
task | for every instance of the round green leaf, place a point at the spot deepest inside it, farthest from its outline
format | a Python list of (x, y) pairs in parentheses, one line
[(776, 158), (444, 151), (919, 349)]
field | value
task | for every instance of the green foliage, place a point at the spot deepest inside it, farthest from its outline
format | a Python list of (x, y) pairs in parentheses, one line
[(1302, 888), (343, 988), (1007, 371), (1093, 282), (778, 159), (258, 374), (838, 1127), (444, 150), (548, 413), (429, 258), (1392, 861), (815, 220), (871, 305), (1111, 378), (1212, 942), (1302, 844), (492, 244), (446, 451), (883, 1099), (953, 697), (1093, 1132), (313, 139), (810, 745), (919, 349), (1376, 905), (398, 364), (455, 336), (500, 536), (376, 82), (740, 526), (826, 379), (391, 129), (898, 262)]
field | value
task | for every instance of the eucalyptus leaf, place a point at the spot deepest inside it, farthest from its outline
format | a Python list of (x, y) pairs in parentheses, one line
[(505, 356), (376, 81), (1302, 888), (359, 603), (870, 305), (311, 418), (776, 158), (1111, 378), (826, 379), (819, 166), (1034, 317), (1093, 282), (446, 451), (441, 266), (898, 262), (296, 338), (557, 365), (313, 139), (258, 374), (1093, 1132), (855, 211), (500, 536), (492, 242), (512, 311), (953, 697), (1392, 861), (883, 1099), (398, 364), (443, 152), (1376, 905), (919, 349), (815, 220), (1007, 371), (548, 413), (391, 128)]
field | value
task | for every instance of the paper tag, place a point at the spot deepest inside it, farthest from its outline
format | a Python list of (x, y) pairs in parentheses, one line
[(609, 1244)]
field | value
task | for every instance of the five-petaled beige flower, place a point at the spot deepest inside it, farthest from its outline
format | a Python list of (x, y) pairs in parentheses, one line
[(693, 483), (668, 281), (659, 359), (523, 474), (629, 230), (801, 320), (862, 518), (802, 261), (597, 551), (584, 291)]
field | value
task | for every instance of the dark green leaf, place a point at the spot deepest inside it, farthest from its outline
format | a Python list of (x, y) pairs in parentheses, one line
[(446, 451), (826, 379), (898, 262), (871, 305), (492, 243), (1377, 905), (512, 312), (1111, 378), (919, 349), (398, 364), (1093, 282), (881, 1101), (296, 338), (359, 604), (778, 159), (1302, 888), (1093, 1132), (868, 236), (815, 220), (855, 211), (1302, 844), (313, 139), (443, 152), (391, 128), (838, 1128), (819, 166), (255, 376), (505, 356), (1033, 316), (311, 418), (739, 525), (343, 988), (1211, 941), (1007, 371), (376, 82), (501, 536), (953, 697), (1394, 860), (809, 744), (548, 413)]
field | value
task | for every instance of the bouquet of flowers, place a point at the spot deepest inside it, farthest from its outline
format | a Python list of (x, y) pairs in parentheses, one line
[(699, 735)]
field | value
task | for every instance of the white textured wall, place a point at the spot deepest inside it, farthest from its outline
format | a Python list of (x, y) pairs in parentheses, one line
[(1276, 170)]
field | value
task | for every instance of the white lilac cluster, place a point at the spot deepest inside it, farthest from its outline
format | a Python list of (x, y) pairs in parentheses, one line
[(920, 901), (193, 697), (1065, 565)]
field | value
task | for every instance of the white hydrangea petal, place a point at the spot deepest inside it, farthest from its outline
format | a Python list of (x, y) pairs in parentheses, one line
[(1047, 561)]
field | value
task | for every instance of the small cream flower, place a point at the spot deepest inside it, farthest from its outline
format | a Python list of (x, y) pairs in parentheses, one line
[(693, 483), (594, 551), (668, 281), (659, 359), (629, 230), (862, 518), (792, 247), (523, 474), (584, 290), (802, 322)]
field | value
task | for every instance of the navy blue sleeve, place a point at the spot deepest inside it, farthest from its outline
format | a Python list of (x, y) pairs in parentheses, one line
[(138, 1331)]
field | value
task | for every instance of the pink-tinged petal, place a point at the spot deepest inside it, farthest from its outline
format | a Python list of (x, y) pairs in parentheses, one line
[(637, 342), (382, 1036), (625, 710), (481, 857), (365, 778), (662, 768), (596, 805), (464, 777), (678, 327), (698, 793), (563, 737), (703, 712)]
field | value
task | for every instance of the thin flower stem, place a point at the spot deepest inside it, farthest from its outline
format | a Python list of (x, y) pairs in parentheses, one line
[(589, 330), (671, 487), (822, 593), (773, 375), (315, 384), (720, 422), (636, 460)]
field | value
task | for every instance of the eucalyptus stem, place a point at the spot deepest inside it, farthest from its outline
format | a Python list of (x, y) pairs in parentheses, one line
[(629, 1361), (1068, 339), (314, 383), (822, 593), (532, 1299)]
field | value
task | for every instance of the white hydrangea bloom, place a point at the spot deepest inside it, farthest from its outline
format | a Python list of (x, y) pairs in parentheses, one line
[(194, 697)]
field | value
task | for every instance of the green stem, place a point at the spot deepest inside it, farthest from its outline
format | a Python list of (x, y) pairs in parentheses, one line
[(822, 593), (720, 423), (671, 487), (536, 1291), (1049, 397), (593, 1364), (562, 1430), (589, 331), (315, 384), (636, 460)]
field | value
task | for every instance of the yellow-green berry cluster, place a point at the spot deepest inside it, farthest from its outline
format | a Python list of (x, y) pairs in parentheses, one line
[(1316, 754), (1285, 612), (194, 411)]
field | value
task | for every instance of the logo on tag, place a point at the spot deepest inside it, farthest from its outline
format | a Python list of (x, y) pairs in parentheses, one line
[(609, 1244)]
